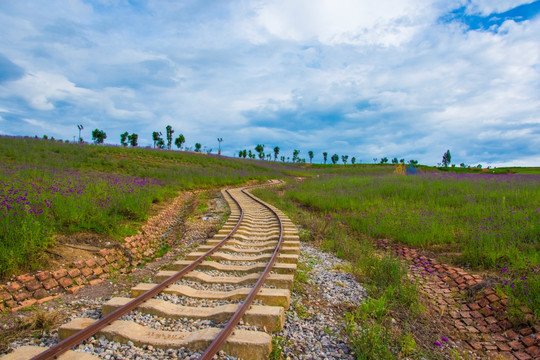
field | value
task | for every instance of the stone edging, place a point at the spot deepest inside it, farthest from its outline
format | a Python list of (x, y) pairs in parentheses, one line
[(29, 289)]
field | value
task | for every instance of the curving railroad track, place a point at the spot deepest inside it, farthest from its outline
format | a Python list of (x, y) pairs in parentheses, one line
[(229, 295)]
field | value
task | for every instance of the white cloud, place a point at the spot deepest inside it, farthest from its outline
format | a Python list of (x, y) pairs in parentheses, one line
[(369, 79), (41, 89), (387, 23)]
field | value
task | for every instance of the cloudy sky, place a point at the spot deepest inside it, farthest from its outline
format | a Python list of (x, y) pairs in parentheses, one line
[(405, 78)]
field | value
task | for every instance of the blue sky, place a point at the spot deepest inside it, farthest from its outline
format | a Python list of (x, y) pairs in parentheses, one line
[(404, 78)]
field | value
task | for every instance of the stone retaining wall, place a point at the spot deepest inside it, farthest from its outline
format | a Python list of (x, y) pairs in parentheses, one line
[(29, 289)]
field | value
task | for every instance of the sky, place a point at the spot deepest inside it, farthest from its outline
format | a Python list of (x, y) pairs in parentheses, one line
[(370, 79)]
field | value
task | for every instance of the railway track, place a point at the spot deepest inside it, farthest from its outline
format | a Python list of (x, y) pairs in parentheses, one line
[(229, 295)]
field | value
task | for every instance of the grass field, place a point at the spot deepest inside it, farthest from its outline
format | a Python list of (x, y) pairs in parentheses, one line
[(483, 221), (49, 187), (476, 218)]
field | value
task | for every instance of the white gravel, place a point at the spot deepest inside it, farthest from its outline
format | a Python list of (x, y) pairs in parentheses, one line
[(315, 327)]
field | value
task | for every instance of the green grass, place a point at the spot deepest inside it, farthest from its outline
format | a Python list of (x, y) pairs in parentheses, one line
[(487, 221), (49, 188), (482, 221), (369, 325)]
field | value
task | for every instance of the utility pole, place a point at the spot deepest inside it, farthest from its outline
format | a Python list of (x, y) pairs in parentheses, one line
[(219, 141), (80, 128)]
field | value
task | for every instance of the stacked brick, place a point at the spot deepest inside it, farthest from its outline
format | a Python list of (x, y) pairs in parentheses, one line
[(30, 289), (469, 306)]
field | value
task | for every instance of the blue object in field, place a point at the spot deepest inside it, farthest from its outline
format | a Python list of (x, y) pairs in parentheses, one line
[(411, 170)]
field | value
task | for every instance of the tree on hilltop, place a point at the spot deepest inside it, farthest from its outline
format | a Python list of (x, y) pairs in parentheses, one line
[(98, 136), (133, 138), (353, 160), (325, 156), (198, 147), (260, 149), (295, 155), (335, 158), (310, 154), (169, 131), (156, 136), (123, 138), (276, 152), (344, 158), (447, 158), (179, 141)]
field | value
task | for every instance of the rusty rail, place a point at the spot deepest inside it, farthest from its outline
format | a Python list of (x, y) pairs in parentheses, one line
[(75, 339), (218, 342)]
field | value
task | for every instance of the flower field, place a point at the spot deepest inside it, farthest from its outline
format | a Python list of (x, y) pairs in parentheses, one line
[(49, 188), (482, 221)]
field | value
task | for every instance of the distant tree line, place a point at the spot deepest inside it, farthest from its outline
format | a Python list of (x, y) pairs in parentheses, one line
[(259, 152)]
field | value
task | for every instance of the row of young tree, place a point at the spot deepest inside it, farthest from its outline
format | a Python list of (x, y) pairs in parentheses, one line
[(159, 142), (98, 136), (259, 152)]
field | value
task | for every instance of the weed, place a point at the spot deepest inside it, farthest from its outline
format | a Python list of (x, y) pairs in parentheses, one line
[(277, 348), (41, 321), (300, 309), (163, 249), (407, 345)]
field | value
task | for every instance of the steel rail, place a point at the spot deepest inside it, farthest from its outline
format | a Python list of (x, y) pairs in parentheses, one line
[(218, 342), (54, 351)]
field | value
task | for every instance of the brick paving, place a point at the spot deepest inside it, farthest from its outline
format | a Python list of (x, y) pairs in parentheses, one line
[(477, 313)]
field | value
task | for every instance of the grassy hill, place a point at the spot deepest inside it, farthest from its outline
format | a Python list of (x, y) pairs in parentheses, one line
[(50, 187), (483, 219)]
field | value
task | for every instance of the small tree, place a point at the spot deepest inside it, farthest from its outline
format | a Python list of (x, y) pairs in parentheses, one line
[(344, 158), (198, 147), (260, 149), (402, 161), (447, 158), (374, 160), (98, 136), (123, 138), (462, 165), (169, 131), (283, 159), (394, 160), (250, 154), (335, 158), (310, 154), (295, 155), (276, 152), (325, 156), (353, 160), (160, 143), (413, 162), (156, 136), (384, 160), (179, 141), (244, 153), (133, 138)]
